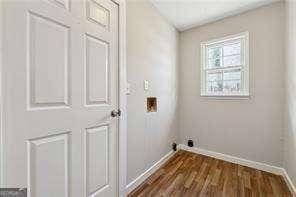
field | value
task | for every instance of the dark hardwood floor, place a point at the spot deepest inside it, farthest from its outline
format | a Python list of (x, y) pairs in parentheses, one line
[(189, 174)]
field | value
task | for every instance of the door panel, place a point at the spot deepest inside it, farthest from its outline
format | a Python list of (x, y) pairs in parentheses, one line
[(61, 3), (60, 83), (98, 14), (97, 71), (43, 154), (97, 172), (48, 61)]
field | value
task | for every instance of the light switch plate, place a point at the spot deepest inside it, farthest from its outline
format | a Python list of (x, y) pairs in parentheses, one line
[(128, 89), (146, 85)]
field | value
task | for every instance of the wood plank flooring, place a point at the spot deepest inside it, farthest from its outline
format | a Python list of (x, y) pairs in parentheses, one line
[(190, 174)]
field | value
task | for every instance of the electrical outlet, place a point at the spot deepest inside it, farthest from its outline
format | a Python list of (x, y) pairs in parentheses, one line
[(174, 146), (190, 143)]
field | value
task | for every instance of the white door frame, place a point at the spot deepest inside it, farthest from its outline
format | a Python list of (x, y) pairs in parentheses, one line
[(122, 130), (122, 135), (2, 167)]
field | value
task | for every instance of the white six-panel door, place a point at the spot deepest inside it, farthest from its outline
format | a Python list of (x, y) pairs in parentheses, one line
[(60, 83)]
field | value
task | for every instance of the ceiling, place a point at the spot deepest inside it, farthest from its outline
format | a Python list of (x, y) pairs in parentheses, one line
[(185, 14)]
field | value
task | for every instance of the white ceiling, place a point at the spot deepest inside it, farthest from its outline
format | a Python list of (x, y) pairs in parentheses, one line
[(185, 14)]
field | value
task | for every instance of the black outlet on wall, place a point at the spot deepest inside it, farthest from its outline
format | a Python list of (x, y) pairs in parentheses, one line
[(174, 146), (190, 143)]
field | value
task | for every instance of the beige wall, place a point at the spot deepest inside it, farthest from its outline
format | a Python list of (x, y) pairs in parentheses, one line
[(251, 128), (290, 134), (151, 55)]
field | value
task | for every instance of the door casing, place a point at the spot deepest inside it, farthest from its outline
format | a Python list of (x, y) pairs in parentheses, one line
[(2, 167)]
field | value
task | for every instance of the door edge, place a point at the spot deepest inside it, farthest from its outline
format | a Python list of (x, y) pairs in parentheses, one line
[(2, 162), (122, 130)]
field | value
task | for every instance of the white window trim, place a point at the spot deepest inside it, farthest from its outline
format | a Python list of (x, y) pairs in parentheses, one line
[(246, 91)]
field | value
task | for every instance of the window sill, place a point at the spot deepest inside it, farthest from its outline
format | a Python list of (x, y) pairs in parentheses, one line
[(227, 97)]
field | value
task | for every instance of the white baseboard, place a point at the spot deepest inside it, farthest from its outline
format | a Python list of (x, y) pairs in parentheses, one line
[(289, 182), (232, 159), (140, 179), (244, 162)]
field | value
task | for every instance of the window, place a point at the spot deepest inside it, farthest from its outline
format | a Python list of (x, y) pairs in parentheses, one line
[(225, 66)]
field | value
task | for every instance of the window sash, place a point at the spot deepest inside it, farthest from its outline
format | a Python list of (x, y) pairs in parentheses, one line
[(244, 67), (222, 80), (222, 56)]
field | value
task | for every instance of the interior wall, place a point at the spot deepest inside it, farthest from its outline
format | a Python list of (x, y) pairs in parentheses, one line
[(246, 128), (152, 47), (290, 134)]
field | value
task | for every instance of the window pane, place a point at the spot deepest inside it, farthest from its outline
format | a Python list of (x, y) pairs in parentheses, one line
[(214, 82), (233, 60), (232, 81), (214, 53), (233, 49), (214, 63)]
